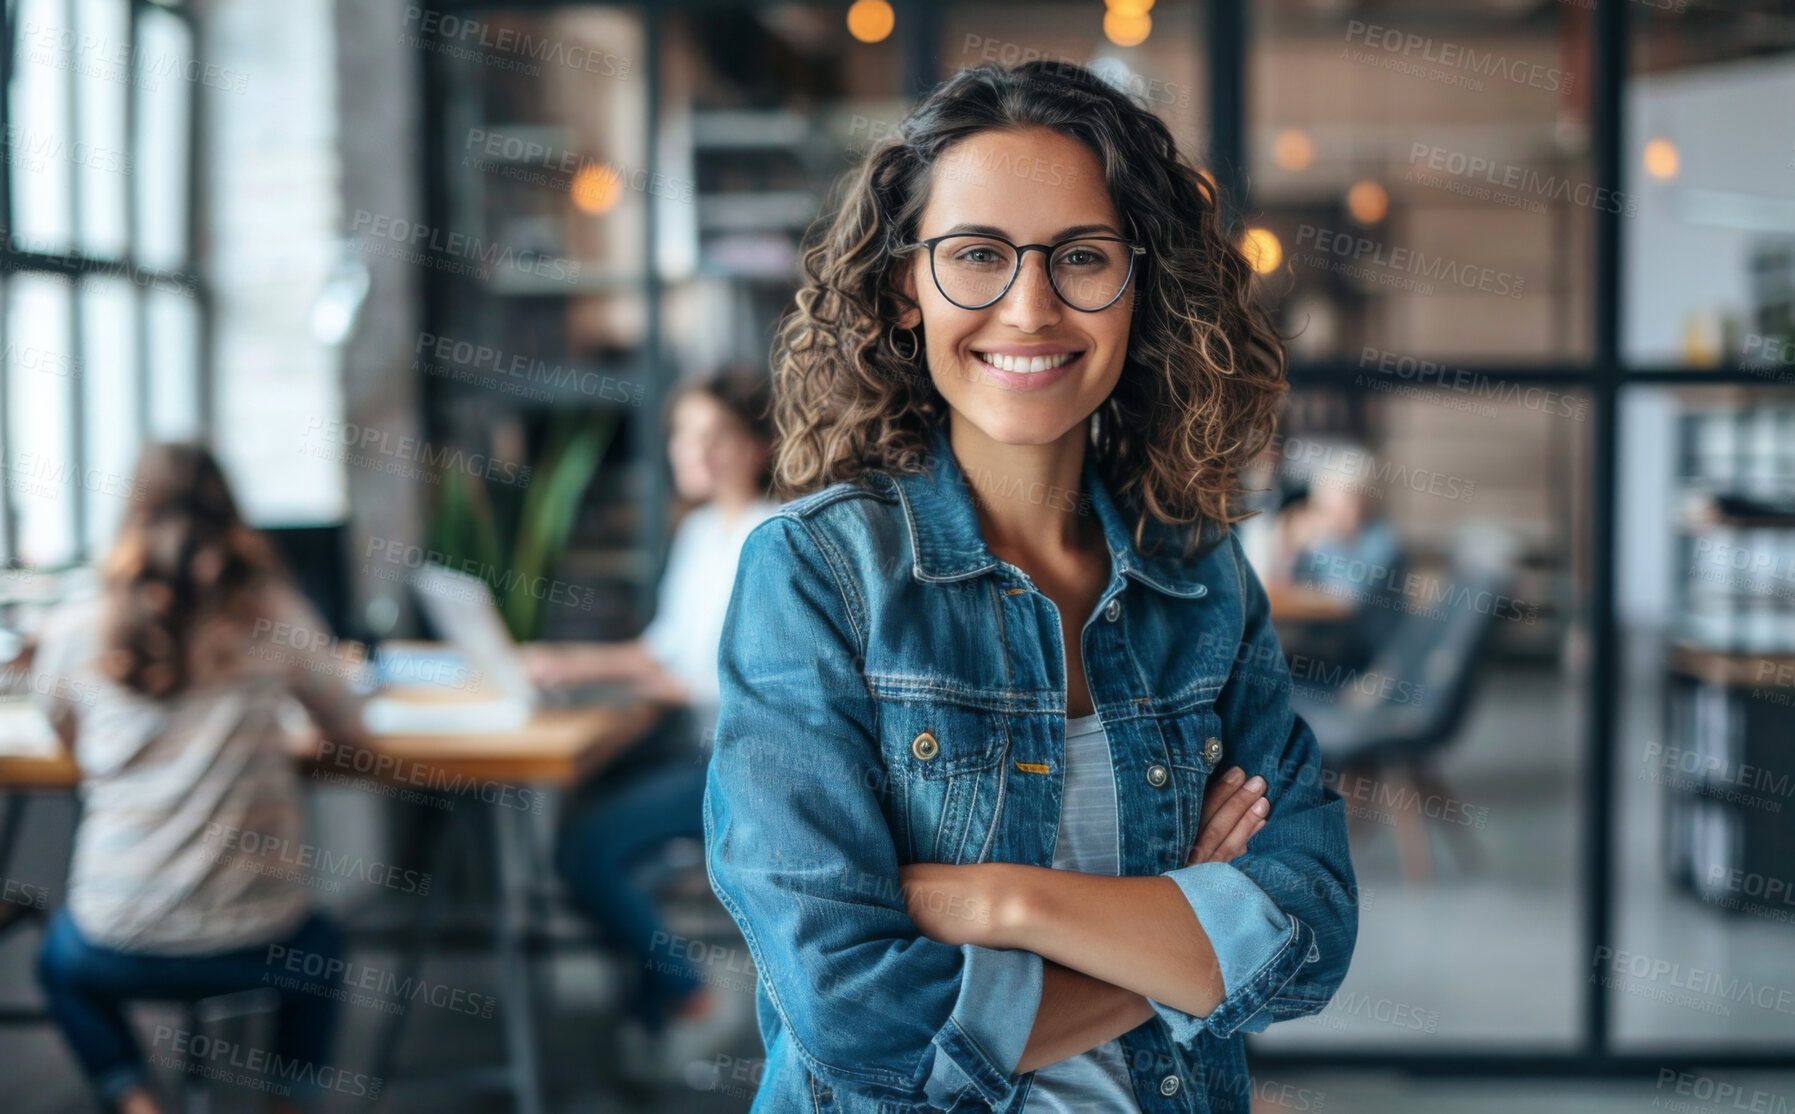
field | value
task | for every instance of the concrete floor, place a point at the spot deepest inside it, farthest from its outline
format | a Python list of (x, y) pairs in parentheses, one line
[(1486, 955)]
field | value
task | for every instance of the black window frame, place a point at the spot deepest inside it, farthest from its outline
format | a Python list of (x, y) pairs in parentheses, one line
[(74, 264), (1604, 375)]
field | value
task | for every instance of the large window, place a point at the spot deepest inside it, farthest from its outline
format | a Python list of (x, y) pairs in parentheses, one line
[(103, 320), (1536, 264)]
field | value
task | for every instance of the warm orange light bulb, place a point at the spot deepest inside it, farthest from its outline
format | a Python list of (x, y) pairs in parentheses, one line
[(1367, 201), (870, 21), (1262, 249), (1661, 159), (1293, 149), (595, 188), (1126, 27)]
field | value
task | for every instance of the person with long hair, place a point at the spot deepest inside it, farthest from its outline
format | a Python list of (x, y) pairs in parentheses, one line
[(1006, 795), (169, 687), (719, 444)]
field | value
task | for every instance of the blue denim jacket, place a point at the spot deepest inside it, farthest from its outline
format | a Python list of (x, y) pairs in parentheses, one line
[(893, 693)]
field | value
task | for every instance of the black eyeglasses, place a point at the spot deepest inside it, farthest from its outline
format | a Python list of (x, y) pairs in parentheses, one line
[(973, 270)]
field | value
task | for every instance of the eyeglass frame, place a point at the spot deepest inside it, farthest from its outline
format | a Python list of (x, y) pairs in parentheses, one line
[(1135, 248)]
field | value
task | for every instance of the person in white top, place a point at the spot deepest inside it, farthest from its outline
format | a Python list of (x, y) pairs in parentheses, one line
[(719, 442)]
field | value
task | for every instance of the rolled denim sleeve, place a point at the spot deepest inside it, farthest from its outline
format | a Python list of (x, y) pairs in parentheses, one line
[(999, 994), (1283, 917), (800, 853), (1248, 932)]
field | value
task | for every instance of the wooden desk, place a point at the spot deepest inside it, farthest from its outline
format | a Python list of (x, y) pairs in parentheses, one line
[(1295, 604), (557, 747)]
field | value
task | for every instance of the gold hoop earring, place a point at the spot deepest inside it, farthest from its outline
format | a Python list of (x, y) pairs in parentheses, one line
[(915, 344)]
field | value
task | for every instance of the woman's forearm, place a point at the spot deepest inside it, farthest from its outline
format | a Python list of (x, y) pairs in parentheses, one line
[(1138, 933), (1078, 1013), (576, 663)]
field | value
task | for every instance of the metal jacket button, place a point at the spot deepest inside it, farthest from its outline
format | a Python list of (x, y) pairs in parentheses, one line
[(1156, 775), (924, 746), (1212, 749), (1168, 1086), (1113, 611)]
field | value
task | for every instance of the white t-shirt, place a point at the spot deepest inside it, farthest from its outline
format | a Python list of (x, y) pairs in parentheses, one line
[(694, 595)]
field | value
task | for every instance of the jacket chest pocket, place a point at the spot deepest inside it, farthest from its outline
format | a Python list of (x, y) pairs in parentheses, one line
[(944, 762), (1196, 749)]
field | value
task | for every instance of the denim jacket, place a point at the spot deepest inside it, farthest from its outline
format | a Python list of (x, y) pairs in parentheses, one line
[(893, 693)]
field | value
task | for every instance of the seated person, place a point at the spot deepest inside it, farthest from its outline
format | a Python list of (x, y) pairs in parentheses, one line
[(1331, 541), (172, 707), (719, 444)]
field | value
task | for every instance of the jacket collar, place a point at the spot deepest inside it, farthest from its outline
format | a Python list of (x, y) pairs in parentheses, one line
[(948, 545)]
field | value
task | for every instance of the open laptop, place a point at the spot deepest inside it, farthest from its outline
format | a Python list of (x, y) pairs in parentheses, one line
[(461, 609)]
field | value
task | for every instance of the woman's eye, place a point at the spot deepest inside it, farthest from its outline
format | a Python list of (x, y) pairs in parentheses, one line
[(1081, 257)]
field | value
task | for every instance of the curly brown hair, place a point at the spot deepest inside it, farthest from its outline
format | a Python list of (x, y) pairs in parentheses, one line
[(1205, 366), (183, 556)]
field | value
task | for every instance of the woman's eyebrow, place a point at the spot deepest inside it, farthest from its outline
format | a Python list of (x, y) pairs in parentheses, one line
[(1062, 234)]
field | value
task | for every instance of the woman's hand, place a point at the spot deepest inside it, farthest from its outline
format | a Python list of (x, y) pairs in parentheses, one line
[(953, 904), (1234, 808)]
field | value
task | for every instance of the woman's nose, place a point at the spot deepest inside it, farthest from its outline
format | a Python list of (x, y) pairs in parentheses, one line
[(1030, 303)]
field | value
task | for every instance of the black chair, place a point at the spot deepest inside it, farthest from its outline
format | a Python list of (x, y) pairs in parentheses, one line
[(1391, 720)]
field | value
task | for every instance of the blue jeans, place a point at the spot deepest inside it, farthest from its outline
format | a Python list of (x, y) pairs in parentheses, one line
[(88, 987), (654, 794)]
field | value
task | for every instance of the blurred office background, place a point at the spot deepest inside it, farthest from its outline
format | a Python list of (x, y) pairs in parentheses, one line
[(1537, 261)]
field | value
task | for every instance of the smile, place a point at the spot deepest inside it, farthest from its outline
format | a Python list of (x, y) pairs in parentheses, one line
[(1026, 365)]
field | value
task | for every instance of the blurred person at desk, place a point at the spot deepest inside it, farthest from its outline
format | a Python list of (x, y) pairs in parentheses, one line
[(171, 692), (1330, 541), (719, 444)]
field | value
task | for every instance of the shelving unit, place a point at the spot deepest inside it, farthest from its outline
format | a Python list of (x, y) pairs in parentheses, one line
[(1727, 765)]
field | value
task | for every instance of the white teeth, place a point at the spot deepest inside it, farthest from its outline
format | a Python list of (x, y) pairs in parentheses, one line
[(1024, 364)]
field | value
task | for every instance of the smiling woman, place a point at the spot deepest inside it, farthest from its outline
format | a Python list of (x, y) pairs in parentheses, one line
[(1047, 728)]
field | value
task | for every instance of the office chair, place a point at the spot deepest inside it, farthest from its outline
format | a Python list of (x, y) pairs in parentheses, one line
[(1429, 665)]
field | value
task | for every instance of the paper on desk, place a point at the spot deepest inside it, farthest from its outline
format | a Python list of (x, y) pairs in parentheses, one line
[(385, 715), (25, 731)]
